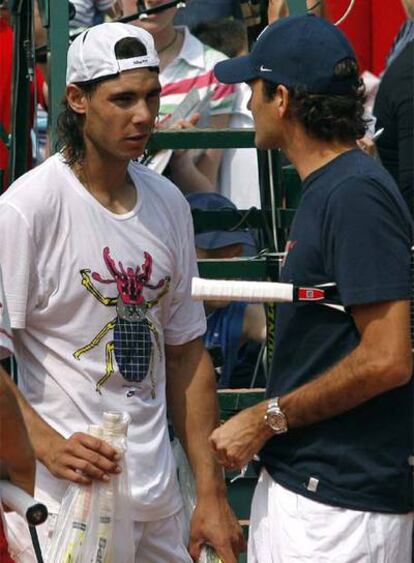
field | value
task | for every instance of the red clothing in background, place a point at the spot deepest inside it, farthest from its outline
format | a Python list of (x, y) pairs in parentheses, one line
[(371, 28), (6, 75), (4, 553)]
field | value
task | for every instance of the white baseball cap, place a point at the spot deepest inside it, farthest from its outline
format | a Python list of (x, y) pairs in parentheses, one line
[(92, 53)]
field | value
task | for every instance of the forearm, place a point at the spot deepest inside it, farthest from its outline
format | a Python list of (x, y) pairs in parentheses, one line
[(17, 454), (40, 432), (188, 176), (192, 402), (352, 381), (380, 362), (208, 164)]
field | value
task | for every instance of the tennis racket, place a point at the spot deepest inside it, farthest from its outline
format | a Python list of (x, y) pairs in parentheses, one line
[(31, 510), (261, 292), (275, 292)]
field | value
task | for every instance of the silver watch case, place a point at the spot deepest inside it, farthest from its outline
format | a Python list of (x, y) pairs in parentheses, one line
[(275, 418)]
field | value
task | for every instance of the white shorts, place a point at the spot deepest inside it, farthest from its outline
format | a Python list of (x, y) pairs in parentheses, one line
[(288, 528), (155, 542)]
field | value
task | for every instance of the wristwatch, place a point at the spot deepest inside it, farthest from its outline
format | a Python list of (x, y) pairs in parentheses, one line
[(275, 418)]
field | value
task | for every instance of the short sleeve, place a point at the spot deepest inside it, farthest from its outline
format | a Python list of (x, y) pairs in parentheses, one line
[(223, 99), (18, 263), (6, 342), (367, 239), (186, 320), (103, 5)]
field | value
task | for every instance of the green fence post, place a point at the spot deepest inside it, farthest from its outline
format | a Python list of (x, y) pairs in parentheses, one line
[(58, 41), (23, 74), (297, 7)]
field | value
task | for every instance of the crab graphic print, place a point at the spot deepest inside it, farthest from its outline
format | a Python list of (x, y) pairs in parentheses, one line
[(135, 335)]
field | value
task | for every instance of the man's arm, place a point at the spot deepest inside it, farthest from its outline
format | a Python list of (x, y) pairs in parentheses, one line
[(381, 361), (254, 323), (192, 403), (200, 175), (79, 458), (16, 452)]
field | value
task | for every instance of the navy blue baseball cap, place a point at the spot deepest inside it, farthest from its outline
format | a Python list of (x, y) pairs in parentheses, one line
[(294, 51), (210, 240)]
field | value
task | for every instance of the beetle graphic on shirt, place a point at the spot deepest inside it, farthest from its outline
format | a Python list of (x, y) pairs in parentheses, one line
[(135, 335)]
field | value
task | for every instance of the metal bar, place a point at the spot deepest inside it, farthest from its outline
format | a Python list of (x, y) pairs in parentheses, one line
[(58, 41), (202, 139), (271, 199), (252, 218), (235, 400), (297, 7), (227, 219), (246, 269), (23, 72)]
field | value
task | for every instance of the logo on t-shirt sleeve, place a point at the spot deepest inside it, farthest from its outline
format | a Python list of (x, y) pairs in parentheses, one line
[(290, 245), (135, 334)]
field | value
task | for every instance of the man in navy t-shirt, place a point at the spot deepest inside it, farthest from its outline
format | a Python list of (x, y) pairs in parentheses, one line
[(335, 435)]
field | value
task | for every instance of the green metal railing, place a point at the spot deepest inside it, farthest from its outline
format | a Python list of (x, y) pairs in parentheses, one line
[(23, 73)]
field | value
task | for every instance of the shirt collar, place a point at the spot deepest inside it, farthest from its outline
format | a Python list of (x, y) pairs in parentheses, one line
[(192, 51)]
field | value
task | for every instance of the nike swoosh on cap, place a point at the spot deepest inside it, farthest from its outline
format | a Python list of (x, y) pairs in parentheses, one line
[(264, 69)]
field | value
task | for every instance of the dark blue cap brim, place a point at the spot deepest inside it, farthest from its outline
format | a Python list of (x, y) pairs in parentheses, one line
[(218, 239), (236, 70)]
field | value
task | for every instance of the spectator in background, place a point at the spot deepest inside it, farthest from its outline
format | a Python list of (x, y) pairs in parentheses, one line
[(235, 331), (90, 12), (6, 69), (394, 112), (239, 174), (198, 12), (186, 70), (405, 34), (279, 9), (225, 35)]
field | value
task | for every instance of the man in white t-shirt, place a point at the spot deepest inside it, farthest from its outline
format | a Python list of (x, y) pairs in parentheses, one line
[(98, 256)]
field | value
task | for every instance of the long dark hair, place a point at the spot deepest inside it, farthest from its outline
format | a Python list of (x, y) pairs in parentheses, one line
[(329, 117), (70, 123)]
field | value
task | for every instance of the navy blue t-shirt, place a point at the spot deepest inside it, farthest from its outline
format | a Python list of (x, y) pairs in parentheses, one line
[(352, 228)]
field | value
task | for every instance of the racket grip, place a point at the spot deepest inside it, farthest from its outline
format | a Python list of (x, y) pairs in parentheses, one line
[(21, 502), (232, 290)]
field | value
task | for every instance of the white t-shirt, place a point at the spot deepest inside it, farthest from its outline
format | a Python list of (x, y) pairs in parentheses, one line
[(192, 72), (6, 343), (58, 240)]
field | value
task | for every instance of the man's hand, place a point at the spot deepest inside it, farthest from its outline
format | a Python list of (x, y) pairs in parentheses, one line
[(168, 123), (240, 438), (81, 458), (215, 524)]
